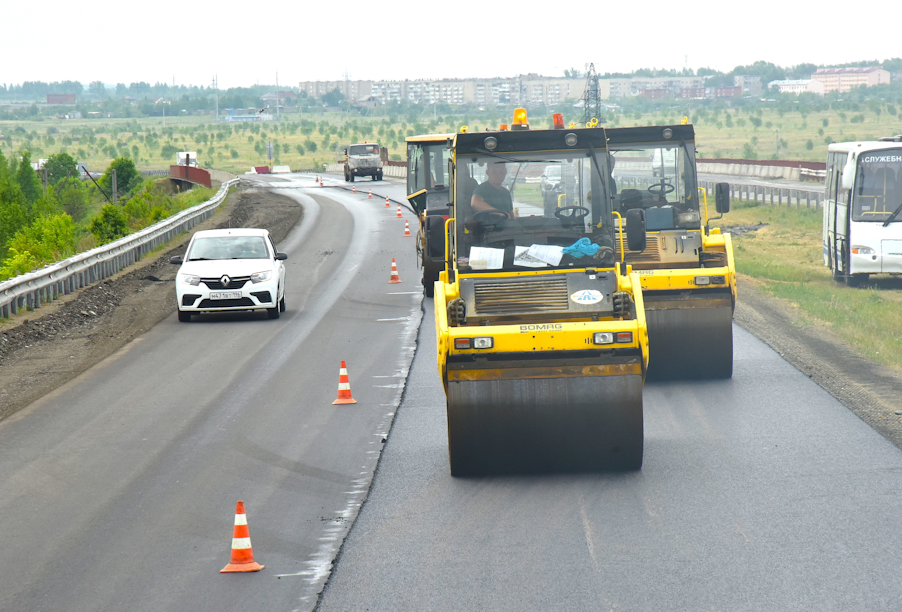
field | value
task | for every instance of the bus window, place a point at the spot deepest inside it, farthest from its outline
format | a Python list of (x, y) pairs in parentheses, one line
[(878, 185)]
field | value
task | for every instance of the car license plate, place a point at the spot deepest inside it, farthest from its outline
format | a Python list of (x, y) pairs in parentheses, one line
[(225, 295)]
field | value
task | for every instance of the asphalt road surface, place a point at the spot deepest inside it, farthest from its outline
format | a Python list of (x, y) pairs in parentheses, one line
[(119, 489), (758, 493)]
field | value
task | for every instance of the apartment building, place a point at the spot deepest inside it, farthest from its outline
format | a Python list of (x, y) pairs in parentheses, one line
[(844, 79), (798, 86)]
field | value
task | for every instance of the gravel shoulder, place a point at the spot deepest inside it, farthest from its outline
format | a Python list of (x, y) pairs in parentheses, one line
[(44, 349), (869, 390)]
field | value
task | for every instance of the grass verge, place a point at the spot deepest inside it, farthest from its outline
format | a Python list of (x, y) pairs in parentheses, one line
[(784, 258)]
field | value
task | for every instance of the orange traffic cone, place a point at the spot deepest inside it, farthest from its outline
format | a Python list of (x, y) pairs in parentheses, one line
[(406, 229), (370, 197), (242, 553), (399, 212), (354, 189), (394, 273), (344, 387), (321, 182), (387, 205)]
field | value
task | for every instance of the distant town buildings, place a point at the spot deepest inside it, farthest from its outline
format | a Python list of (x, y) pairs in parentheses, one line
[(68, 98), (798, 86), (531, 89), (844, 79)]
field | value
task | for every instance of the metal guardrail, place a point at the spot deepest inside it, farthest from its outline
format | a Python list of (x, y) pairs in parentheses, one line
[(30, 290), (775, 196)]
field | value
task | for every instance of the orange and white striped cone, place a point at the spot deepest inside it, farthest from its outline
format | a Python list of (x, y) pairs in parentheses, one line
[(394, 273), (242, 553), (321, 182), (387, 205), (399, 212), (354, 189), (344, 387), (406, 229), (370, 197)]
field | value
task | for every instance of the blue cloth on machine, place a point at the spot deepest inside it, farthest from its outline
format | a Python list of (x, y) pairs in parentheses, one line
[(581, 247)]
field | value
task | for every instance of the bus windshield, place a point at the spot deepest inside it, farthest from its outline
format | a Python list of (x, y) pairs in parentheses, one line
[(526, 211), (878, 185)]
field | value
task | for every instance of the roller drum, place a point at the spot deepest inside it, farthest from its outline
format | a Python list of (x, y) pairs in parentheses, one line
[(689, 343), (569, 424)]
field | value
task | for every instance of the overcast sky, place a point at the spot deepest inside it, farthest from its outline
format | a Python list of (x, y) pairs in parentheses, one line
[(245, 43)]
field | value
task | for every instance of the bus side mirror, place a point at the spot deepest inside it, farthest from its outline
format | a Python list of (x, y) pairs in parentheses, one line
[(722, 198), (848, 175), (635, 229)]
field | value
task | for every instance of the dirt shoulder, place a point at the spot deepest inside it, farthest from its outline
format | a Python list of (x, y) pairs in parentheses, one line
[(871, 391), (42, 350)]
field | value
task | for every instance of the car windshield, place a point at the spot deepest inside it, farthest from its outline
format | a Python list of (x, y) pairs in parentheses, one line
[(533, 210), (878, 186), (658, 179), (228, 247), (364, 150)]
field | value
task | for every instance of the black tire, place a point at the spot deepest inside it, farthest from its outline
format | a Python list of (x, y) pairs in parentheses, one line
[(430, 275), (282, 304), (184, 317), (273, 313), (373, 177), (380, 176), (351, 175), (850, 279)]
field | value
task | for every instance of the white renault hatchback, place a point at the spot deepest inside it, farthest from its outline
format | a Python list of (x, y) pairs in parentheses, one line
[(230, 269)]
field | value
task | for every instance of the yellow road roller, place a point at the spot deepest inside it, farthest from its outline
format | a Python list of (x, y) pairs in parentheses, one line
[(686, 267), (541, 333), (429, 193)]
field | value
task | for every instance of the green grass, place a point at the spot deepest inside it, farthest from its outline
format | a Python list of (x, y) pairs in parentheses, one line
[(785, 259)]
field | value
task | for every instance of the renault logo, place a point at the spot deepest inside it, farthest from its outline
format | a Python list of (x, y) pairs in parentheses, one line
[(225, 280)]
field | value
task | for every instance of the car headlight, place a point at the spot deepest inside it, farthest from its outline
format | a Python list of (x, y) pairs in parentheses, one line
[(259, 277), (190, 279)]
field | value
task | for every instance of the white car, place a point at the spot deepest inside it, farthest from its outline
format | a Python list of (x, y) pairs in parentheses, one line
[(230, 269)]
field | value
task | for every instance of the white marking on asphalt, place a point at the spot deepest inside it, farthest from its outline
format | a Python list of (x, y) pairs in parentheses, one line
[(395, 319), (404, 293), (588, 529)]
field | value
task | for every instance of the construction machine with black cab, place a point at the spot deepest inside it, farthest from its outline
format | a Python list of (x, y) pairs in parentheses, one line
[(685, 266), (541, 332), (429, 193)]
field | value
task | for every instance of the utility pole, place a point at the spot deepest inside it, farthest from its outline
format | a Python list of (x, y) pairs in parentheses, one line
[(591, 97), (115, 188), (776, 144), (278, 113)]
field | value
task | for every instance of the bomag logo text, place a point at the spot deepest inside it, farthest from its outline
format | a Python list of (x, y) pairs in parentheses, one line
[(546, 327)]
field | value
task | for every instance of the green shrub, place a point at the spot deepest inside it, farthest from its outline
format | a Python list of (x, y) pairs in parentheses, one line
[(110, 224)]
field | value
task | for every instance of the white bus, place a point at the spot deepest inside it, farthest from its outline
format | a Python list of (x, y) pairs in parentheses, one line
[(863, 209)]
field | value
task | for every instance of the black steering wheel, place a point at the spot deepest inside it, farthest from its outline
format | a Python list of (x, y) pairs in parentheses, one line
[(490, 217), (661, 189), (575, 213)]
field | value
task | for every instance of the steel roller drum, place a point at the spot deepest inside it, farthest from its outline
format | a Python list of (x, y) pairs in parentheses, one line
[(563, 424), (689, 343)]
